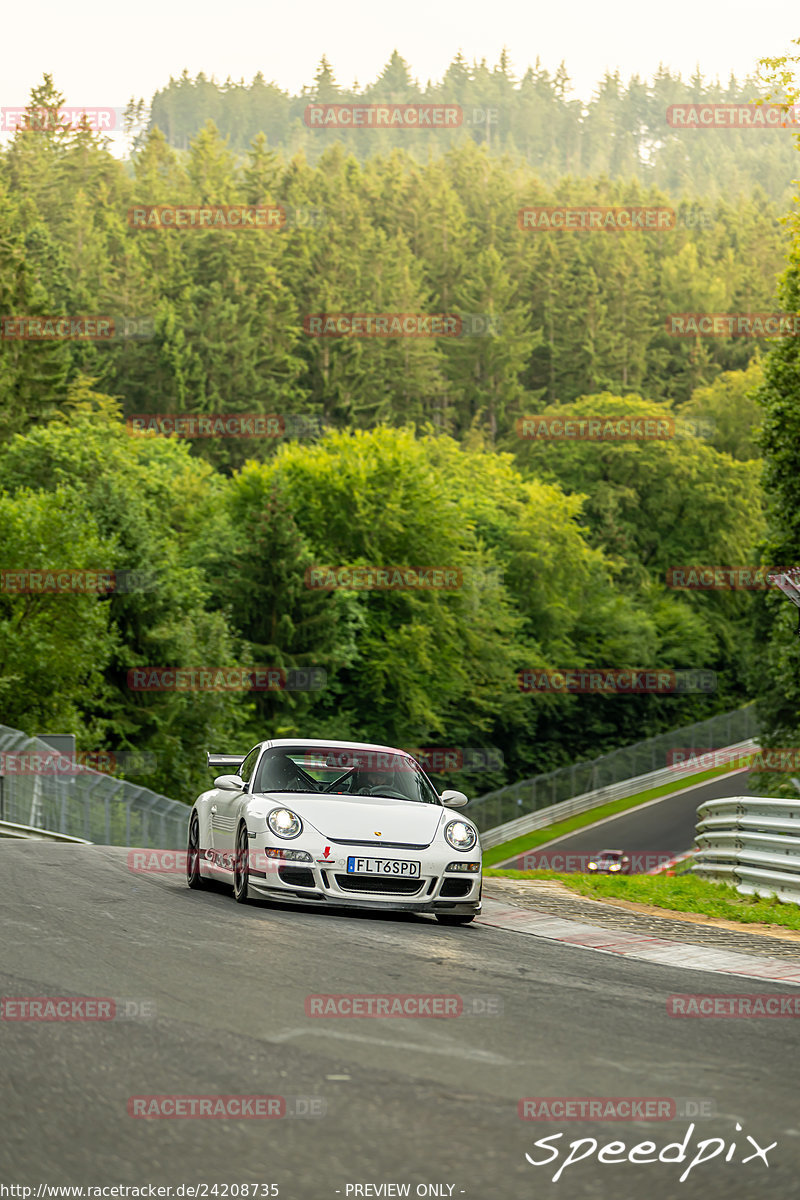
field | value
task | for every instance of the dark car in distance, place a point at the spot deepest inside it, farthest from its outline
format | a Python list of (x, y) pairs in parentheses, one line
[(609, 862)]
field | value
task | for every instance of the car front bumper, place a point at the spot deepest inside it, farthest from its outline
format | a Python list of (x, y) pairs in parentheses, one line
[(460, 907), (325, 879)]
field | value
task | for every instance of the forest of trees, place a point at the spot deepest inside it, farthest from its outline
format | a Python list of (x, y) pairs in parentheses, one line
[(409, 452), (621, 132)]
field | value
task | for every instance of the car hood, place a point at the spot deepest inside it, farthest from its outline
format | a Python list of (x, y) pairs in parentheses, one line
[(361, 818)]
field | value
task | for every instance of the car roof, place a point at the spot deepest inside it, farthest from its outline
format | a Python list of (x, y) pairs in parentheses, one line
[(600, 853), (319, 743)]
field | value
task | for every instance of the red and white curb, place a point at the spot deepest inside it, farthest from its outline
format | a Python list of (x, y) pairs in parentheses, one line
[(631, 945)]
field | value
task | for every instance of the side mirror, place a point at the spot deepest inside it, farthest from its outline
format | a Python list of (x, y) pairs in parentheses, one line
[(454, 799), (229, 783)]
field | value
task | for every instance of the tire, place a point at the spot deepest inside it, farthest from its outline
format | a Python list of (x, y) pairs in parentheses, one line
[(241, 891), (452, 919), (193, 877)]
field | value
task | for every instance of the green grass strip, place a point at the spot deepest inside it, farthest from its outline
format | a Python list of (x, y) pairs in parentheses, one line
[(537, 837), (677, 893)]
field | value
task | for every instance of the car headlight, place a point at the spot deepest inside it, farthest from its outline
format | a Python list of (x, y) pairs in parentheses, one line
[(460, 835), (284, 823), (592, 866), (288, 855), (614, 867)]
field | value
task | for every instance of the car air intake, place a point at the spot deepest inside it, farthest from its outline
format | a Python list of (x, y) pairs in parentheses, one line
[(296, 876), (455, 887), (376, 883)]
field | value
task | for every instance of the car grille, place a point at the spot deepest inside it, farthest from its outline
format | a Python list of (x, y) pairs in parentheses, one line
[(374, 883), (296, 876), (455, 887)]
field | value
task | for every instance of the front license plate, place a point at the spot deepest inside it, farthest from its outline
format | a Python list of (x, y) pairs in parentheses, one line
[(381, 866)]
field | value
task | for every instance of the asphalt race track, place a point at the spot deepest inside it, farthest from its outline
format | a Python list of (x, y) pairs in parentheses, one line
[(407, 1101), (661, 826)]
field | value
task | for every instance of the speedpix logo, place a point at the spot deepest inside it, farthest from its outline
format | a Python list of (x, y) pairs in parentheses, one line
[(614, 1153)]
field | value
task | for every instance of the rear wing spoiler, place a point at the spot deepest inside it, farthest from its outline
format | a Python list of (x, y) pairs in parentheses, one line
[(230, 762)]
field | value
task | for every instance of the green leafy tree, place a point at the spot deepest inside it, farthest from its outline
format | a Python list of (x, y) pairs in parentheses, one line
[(54, 646), (157, 511)]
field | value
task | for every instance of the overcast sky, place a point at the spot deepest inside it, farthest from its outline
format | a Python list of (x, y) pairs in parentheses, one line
[(101, 55)]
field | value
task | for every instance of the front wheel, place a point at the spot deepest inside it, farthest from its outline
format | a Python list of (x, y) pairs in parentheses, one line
[(193, 877), (452, 919), (241, 873)]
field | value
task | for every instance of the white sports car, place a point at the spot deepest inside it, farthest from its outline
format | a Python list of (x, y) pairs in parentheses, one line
[(336, 823)]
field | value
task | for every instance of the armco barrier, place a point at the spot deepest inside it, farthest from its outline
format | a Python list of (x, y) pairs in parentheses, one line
[(29, 833), (505, 804), (553, 813), (752, 842), (87, 806)]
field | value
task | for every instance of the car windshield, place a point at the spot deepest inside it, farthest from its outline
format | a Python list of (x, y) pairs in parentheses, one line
[(610, 856), (339, 771)]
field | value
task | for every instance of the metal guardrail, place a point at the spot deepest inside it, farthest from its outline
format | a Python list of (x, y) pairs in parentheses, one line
[(29, 833), (752, 842), (84, 805), (595, 799), (500, 807)]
